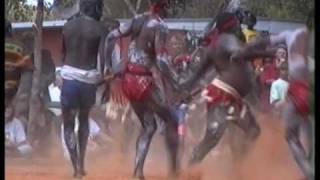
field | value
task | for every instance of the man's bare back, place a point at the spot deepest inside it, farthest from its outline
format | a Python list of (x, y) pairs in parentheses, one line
[(142, 49), (81, 40)]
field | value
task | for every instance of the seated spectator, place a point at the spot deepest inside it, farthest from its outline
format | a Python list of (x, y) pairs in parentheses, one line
[(279, 87), (269, 74), (15, 137)]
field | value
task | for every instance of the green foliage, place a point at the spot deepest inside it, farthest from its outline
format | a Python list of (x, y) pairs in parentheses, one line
[(119, 9), (67, 3), (19, 11), (284, 9)]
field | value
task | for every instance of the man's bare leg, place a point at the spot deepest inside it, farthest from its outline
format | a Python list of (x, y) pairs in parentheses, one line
[(83, 134), (171, 131), (70, 136), (251, 129), (293, 122), (216, 126), (172, 143), (149, 127)]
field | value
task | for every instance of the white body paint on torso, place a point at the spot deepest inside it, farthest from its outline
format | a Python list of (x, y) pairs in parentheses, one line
[(139, 56)]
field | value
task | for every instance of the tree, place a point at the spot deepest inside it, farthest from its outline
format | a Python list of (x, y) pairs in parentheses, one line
[(35, 101), (64, 9), (20, 11), (284, 9)]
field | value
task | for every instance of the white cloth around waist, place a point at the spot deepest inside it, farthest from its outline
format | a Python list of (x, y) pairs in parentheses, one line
[(87, 76)]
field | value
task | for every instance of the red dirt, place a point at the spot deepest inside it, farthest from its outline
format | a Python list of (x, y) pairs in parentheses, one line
[(269, 159)]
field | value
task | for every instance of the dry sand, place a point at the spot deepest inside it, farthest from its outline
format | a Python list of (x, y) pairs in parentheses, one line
[(269, 159)]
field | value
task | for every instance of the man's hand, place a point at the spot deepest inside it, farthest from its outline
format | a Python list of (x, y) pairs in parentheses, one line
[(59, 81), (108, 77)]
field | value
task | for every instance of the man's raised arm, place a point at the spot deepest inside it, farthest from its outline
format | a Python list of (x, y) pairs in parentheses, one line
[(109, 42)]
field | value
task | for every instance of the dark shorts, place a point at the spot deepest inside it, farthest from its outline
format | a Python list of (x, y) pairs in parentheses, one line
[(76, 94)]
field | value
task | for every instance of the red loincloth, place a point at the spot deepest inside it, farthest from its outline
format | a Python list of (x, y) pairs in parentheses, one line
[(137, 83), (299, 93), (218, 96)]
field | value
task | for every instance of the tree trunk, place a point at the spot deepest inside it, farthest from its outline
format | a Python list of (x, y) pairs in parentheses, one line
[(138, 5), (34, 103), (131, 8)]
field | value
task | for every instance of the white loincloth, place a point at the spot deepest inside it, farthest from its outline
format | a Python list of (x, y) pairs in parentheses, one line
[(86, 76)]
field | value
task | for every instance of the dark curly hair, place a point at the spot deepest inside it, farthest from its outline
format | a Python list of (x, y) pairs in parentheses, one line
[(92, 8)]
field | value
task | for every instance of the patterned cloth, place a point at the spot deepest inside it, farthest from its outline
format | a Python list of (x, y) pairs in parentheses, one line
[(137, 83)]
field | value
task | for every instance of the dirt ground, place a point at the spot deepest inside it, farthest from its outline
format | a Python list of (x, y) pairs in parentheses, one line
[(269, 159)]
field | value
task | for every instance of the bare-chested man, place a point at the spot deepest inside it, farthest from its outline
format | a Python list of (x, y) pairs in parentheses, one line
[(81, 39), (147, 50), (224, 95), (296, 109)]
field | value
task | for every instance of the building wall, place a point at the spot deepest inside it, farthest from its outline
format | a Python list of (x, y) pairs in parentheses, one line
[(52, 40)]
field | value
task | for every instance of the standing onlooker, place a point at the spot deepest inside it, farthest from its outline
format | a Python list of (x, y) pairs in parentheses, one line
[(279, 87), (281, 55), (249, 32), (270, 73)]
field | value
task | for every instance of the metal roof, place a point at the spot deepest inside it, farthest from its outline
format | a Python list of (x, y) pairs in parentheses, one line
[(273, 26)]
